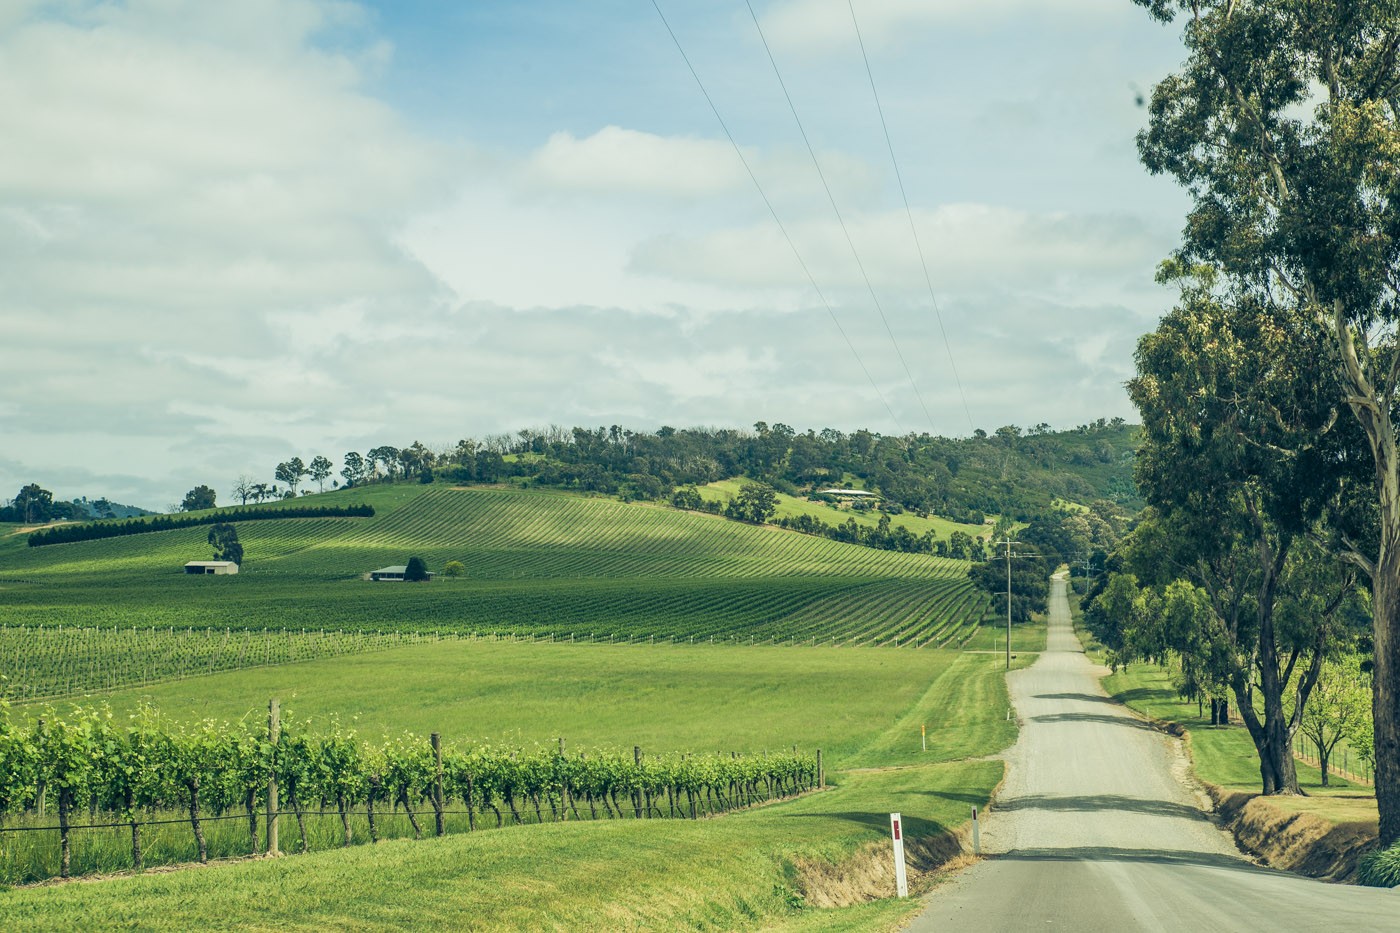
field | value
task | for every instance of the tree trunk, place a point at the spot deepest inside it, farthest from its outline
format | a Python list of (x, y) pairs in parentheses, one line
[(1323, 753), (250, 800), (193, 787), (412, 817), (343, 806), (1385, 698), (65, 803), (374, 784), (300, 813), (138, 861), (1375, 419)]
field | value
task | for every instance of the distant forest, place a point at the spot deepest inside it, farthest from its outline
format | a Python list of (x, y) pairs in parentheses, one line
[(1011, 471)]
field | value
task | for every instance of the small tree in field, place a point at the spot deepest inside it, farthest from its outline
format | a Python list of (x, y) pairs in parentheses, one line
[(756, 503), (1339, 707), (224, 539), (454, 568), (416, 571)]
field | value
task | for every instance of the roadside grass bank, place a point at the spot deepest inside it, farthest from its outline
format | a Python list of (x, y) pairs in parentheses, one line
[(1323, 834), (765, 868), (990, 635)]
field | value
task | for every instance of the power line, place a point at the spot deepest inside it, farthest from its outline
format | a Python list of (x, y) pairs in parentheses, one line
[(928, 280), (839, 219), (769, 204)]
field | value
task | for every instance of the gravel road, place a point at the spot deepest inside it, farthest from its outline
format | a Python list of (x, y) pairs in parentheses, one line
[(1097, 830)]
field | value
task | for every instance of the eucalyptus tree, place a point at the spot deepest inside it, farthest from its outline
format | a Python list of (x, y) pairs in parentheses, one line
[(290, 472), (1239, 459), (320, 470), (1283, 123)]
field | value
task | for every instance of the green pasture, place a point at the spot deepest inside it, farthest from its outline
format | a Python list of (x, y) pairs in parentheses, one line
[(793, 506), (665, 698), (1225, 755), (739, 871), (539, 564), (990, 635)]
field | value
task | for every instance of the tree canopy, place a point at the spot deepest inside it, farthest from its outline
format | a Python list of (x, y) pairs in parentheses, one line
[(223, 537), (200, 497), (1282, 124)]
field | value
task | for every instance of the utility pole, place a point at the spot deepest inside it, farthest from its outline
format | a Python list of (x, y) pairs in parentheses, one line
[(1008, 604), (1008, 542)]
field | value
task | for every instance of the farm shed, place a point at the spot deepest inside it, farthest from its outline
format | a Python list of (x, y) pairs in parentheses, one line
[(393, 573), (211, 566)]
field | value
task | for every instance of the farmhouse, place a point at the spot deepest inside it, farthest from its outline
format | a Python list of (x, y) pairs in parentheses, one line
[(211, 566), (393, 573)]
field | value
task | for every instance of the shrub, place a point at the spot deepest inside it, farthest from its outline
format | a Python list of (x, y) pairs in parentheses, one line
[(1380, 869)]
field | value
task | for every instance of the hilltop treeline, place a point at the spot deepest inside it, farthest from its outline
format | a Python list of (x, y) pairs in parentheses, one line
[(1009, 471), (65, 534)]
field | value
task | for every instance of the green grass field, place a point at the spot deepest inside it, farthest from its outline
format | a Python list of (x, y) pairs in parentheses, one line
[(539, 563), (1226, 756), (664, 698), (793, 506), (740, 871)]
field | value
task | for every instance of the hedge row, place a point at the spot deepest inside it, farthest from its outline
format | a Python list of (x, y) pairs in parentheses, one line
[(92, 531)]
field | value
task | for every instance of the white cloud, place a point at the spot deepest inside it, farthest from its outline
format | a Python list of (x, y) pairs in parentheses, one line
[(821, 24), (969, 248), (151, 170), (621, 160)]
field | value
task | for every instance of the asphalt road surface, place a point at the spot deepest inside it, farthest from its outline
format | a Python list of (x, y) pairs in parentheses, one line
[(1096, 830)]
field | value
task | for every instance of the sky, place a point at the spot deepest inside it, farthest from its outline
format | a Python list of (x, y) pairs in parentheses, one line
[(234, 233)]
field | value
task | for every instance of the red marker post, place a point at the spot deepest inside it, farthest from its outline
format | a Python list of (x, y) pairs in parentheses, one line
[(901, 882)]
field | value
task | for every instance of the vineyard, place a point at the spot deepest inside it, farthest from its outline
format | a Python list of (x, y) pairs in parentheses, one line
[(89, 780), (49, 662), (538, 565)]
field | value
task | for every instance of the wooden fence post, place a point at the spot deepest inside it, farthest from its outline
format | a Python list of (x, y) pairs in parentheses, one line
[(821, 772), (637, 794), (274, 731), (437, 782)]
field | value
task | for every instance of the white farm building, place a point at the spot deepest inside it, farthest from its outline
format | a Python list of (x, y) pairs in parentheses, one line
[(211, 566), (393, 573)]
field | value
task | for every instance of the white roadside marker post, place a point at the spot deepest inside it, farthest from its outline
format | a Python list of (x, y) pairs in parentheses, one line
[(976, 834), (901, 882), (923, 735)]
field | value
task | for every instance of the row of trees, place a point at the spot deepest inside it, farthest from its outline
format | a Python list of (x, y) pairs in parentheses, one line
[(1011, 470), (1271, 455), (145, 768), (35, 505)]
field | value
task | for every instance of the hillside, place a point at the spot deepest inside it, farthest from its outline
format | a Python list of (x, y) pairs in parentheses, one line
[(1010, 471), (538, 562)]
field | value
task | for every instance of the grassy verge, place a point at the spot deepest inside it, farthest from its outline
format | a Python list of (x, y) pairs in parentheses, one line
[(1225, 756), (991, 635)]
